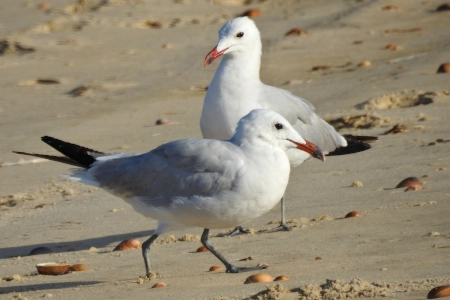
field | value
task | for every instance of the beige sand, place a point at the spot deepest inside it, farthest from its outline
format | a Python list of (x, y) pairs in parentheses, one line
[(102, 73)]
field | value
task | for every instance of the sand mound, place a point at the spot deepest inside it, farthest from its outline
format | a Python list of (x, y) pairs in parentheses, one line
[(363, 121), (406, 98)]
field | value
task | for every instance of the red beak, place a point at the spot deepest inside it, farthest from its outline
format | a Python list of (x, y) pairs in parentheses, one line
[(212, 55), (310, 148)]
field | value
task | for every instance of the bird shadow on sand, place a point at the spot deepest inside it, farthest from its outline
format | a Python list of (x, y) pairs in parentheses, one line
[(77, 245), (45, 286)]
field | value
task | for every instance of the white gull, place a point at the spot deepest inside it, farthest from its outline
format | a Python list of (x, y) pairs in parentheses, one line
[(237, 89), (210, 184)]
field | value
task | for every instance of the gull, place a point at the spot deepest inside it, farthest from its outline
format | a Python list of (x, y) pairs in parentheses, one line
[(236, 89), (212, 184)]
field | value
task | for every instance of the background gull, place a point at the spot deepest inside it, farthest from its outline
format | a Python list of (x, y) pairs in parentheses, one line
[(236, 89)]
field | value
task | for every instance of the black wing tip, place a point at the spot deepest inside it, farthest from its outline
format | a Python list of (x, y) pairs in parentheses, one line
[(355, 144), (80, 154)]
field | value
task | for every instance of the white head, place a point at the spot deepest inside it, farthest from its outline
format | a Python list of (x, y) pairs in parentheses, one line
[(270, 127), (238, 35)]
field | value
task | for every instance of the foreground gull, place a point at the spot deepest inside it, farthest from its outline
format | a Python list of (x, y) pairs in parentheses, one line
[(204, 183), (236, 89)]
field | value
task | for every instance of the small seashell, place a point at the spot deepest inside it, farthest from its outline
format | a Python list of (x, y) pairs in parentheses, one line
[(281, 277), (392, 47), (444, 68), (296, 31), (321, 67), (391, 7), (439, 292), (365, 63), (47, 81), (44, 5), (215, 268), (162, 122), (252, 13), (442, 7), (201, 249), (52, 269), (353, 214), (78, 268), (318, 258), (260, 277), (410, 182), (128, 244), (40, 250), (153, 24), (158, 285)]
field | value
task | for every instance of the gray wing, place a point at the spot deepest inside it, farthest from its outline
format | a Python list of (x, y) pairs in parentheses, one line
[(181, 168), (301, 114)]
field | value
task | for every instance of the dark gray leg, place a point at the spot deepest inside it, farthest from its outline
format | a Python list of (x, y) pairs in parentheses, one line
[(145, 253), (230, 267)]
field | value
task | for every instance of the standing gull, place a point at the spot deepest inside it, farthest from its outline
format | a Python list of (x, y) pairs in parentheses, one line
[(237, 89), (211, 184)]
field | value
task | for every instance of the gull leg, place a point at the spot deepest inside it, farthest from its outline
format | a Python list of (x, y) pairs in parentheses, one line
[(283, 226), (230, 267), (145, 253)]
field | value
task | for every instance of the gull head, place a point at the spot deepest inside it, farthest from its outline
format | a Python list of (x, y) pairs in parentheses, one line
[(239, 35), (267, 126)]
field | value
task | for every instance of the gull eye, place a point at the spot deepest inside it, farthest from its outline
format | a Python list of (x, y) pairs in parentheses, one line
[(240, 34), (279, 126)]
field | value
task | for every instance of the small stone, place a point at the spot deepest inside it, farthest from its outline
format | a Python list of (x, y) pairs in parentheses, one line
[(357, 183)]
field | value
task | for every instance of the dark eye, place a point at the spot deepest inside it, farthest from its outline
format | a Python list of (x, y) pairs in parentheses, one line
[(279, 126), (240, 34)]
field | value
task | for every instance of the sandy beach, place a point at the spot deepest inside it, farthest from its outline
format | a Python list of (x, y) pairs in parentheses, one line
[(101, 73)]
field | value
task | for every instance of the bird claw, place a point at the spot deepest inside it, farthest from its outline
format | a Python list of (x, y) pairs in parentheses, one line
[(236, 231), (234, 269), (282, 227)]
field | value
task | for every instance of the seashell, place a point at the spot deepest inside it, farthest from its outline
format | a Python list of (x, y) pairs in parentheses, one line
[(410, 182), (47, 81), (252, 13), (52, 269), (281, 277), (260, 277), (392, 47), (128, 244), (201, 249), (353, 214), (162, 122), (44, 5), (365, 63), (391, 7), (296, 31), (78, 268), (439, 292), (158, 285), (442, 7), (40, 250), (444, 68), (215, 268)]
